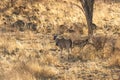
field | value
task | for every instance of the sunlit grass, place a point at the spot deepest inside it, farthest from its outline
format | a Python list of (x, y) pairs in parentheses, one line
[(32, 55)]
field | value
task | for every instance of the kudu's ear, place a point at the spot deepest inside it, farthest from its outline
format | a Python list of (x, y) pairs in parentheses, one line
[(55, 36)]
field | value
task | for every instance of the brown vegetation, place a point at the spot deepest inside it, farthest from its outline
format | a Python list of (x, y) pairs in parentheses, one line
[(31, 54)]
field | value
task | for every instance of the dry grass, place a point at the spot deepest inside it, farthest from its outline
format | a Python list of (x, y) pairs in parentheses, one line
[(32, 55)]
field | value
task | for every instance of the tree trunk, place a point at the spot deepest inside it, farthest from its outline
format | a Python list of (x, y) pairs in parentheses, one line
[(88, 11)]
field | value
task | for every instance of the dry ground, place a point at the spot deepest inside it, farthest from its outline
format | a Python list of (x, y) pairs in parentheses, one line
[(32, 55)]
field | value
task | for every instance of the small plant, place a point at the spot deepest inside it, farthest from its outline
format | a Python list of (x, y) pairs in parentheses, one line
[(19, 24), (98, 42)]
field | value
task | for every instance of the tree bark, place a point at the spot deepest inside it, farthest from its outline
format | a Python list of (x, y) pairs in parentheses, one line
[(88, 11)]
